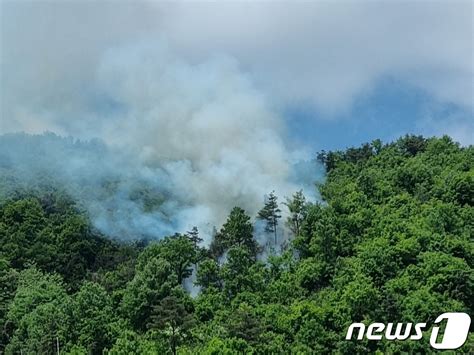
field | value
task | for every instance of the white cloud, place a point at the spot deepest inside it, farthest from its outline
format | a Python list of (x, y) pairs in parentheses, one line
[(322, 53), (454, 124), (329, 52)]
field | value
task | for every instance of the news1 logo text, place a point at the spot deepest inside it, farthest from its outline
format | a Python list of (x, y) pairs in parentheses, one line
[(454, 335)]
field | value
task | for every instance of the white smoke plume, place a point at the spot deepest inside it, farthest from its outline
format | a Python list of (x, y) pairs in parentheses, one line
[(194, 138)]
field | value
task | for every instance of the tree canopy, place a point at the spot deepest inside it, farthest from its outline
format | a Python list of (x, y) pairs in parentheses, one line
[(390, 241)]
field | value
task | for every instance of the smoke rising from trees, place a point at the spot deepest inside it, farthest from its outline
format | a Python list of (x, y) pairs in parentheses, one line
[(178, 144)]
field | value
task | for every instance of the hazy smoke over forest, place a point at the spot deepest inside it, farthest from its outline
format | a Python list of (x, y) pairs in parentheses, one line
[(179, 144), (179, 105)]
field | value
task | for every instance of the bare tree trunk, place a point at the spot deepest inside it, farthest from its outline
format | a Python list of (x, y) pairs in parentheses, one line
[(173, 342), (275, 231)]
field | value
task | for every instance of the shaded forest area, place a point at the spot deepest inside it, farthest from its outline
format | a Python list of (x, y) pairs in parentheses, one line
[(392, 241)]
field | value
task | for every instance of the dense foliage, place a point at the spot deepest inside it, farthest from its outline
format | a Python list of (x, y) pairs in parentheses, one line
[(392, 241)]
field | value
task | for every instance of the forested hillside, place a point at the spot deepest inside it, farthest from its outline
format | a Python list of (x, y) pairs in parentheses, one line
[(392, 241)]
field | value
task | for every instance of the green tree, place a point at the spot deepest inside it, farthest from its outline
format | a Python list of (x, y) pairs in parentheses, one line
[(153, 281), (8, 285), (297, 207), (178, 250), (243, 323), (270, 214), (208, 275), (193, 235), (171, 316), (37, 313), (91, 314), (237, 231), (241, 273), (131, 343)]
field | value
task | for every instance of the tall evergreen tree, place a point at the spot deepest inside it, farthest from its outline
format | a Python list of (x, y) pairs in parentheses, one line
[(296, 205), (271, 214), (200, 252), (236, 231), (193, 236)]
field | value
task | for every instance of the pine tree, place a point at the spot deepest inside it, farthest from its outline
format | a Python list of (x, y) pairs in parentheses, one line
[(237, 231), (193, 236), (270, 214), (297, 207)]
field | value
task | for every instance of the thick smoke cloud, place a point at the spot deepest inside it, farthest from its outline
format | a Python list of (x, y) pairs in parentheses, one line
[(323, 54), (205, 125), (111, 186), (197, 139)]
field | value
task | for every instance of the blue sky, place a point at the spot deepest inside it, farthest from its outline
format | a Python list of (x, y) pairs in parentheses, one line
[(393, 109)]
